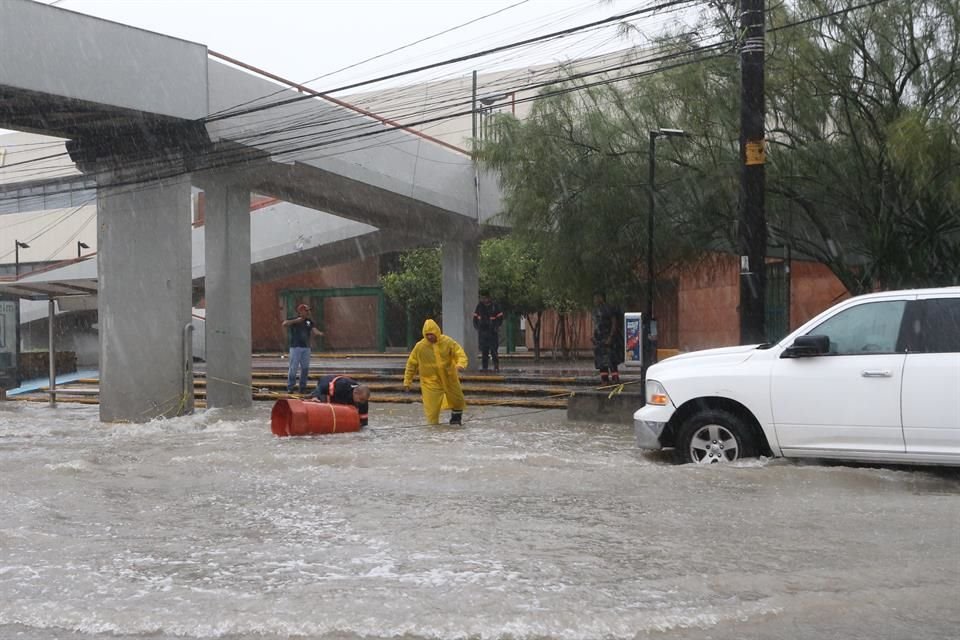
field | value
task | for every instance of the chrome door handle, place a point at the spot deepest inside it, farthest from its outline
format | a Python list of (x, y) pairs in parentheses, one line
[(876, 373)]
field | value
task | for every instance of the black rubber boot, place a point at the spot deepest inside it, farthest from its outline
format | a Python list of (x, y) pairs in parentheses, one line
[(456, 417)]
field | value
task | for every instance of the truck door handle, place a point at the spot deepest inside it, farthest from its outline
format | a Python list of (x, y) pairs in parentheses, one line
[(876, 373)]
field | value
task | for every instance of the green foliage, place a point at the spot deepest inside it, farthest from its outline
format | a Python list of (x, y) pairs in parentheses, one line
[(511, 270), (416, 285), (865, 167), (575, 182)]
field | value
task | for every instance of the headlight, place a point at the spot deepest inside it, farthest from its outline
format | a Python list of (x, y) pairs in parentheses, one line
[(656, 394)]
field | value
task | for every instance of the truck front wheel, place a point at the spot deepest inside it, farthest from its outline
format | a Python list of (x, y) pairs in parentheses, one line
[(714, 436)]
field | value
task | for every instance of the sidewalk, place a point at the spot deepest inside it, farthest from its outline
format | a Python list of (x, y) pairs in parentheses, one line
[(514, 363), (36, 384)]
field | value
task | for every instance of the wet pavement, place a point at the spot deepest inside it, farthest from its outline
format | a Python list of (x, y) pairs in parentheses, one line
[(518, 525)]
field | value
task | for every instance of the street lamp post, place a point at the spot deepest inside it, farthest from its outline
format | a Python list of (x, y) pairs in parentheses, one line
[(81, 245), (648, 326), (17, 245)]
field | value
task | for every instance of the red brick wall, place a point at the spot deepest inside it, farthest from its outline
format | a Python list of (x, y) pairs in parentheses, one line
[(813, 288), (708, 297), (348, 322)]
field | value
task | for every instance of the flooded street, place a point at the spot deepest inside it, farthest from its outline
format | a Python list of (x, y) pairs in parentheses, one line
[(519, 525)]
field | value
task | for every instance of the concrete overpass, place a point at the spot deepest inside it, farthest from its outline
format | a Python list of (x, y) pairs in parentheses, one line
[(149, 116)]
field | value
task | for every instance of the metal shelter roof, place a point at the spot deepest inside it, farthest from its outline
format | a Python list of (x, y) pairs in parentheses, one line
[(74, 278)]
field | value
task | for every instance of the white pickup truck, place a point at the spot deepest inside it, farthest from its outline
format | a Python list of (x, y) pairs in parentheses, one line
[(874, 378)]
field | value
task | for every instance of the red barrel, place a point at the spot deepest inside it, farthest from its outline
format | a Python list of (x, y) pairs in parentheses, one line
[(298, 418)]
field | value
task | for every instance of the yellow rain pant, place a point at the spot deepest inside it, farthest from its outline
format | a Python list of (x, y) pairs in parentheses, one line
[(437, 365)]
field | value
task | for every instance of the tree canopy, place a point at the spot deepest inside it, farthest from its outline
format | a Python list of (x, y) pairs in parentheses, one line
[(864, 156)]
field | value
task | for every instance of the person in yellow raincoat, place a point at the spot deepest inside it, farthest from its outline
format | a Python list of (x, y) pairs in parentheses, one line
[(437, 359)]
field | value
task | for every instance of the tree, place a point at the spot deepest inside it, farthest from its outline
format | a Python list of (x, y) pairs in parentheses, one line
[(415, 286), (511, 270), (574, 176), (553, 176), (863, 109), (867, 155)]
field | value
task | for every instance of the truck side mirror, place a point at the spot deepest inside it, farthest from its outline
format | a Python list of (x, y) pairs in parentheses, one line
[(807, 346)]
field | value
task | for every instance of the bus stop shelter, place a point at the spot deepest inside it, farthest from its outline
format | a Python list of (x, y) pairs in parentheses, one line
[(69, 286)]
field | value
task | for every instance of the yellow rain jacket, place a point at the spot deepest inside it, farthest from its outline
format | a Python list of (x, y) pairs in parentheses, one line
[(437, 363)]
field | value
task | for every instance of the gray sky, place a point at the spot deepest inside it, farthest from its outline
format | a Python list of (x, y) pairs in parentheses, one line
[(304, 39)]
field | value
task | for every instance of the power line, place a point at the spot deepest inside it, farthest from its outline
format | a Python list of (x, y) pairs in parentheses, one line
[(392, 51), (463, 58), (313, 122), (381, 108), (300, 122), (348, 133), (416, 42), (229, 158)]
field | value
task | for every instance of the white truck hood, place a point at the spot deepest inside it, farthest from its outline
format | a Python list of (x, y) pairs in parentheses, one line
[(706, 357)]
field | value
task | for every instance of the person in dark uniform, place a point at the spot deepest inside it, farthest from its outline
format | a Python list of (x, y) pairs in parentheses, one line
[(487, 318), (335, 389), (301, 330), (607, 341)]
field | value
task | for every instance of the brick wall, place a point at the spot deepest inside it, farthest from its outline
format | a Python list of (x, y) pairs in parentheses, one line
[(814, 288), (349, 323), (707, 298)]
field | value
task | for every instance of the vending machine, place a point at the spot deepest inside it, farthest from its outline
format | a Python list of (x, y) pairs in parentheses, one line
[(633, 339)]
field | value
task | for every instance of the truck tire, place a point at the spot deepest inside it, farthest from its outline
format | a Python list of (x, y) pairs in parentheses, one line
[(714, 436)]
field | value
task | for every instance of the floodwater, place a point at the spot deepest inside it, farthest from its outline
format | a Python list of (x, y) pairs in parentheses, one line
[(519, 525)]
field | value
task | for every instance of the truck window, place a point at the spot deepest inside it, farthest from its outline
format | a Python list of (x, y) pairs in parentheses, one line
[(866, 328), (940, 325)]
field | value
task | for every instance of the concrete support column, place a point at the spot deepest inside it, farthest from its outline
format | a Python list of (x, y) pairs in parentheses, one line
[(460, 288), (228, 318), (143, 262)]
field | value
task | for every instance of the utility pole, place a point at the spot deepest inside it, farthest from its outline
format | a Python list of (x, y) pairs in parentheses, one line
[(753, 221), (473, 112)]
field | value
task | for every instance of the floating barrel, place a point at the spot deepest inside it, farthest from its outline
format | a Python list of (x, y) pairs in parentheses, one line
[(298, 418)]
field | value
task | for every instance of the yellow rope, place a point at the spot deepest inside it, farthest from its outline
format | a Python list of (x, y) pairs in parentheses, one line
[(181, 399)]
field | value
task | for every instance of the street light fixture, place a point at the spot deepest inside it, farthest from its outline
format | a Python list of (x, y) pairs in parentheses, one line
[(17, 245), (81, 245), (488, 107), (649, 326), (492, 99)]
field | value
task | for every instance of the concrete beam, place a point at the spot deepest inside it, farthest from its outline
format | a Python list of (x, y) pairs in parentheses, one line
[(353, 199), (341, 141), (228, 317), (143, 264), (57, 54), (460, 288)]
